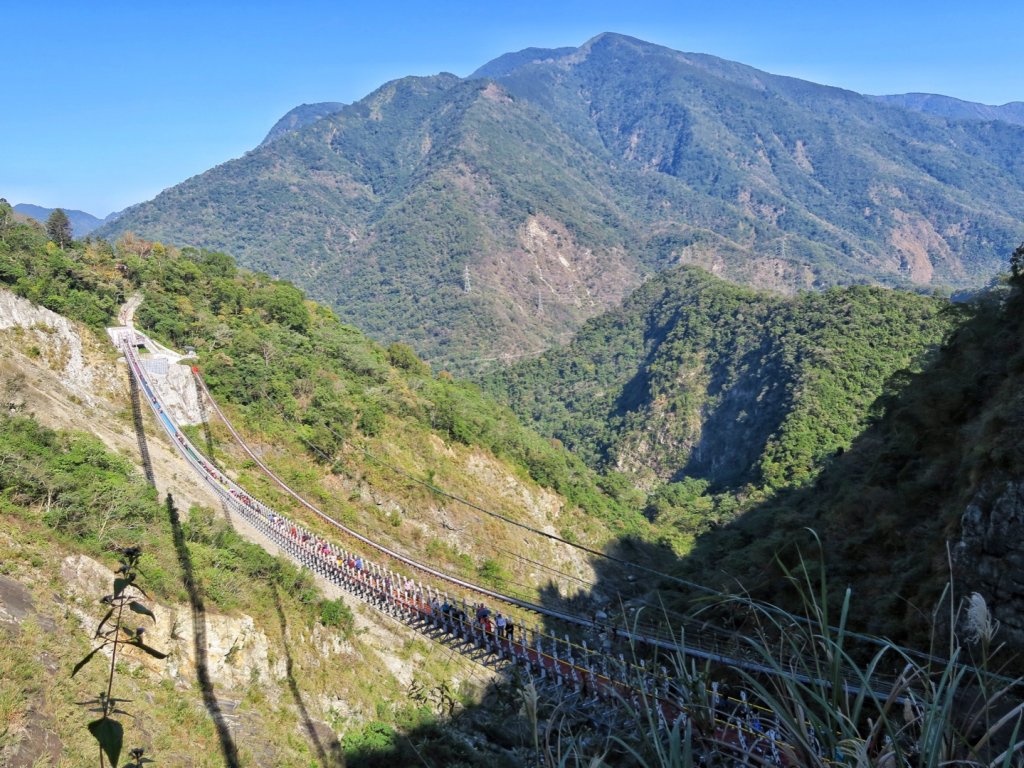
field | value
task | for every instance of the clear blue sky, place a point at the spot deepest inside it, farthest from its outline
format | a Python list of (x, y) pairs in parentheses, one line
[(106, 103)]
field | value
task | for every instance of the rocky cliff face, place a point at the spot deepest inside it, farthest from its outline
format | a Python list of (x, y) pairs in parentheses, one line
[(57, 343), (67, 378), (237, 652), (990, 554)]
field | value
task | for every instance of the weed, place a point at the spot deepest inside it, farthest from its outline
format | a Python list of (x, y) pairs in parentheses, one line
[(112, 633)]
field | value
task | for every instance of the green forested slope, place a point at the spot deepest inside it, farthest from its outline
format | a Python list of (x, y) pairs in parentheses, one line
[(289, 365), (694, 377), (379, 209), (312, 395), (64, 496), (563, 182), (928, 493), (957, 109), (720, 389)]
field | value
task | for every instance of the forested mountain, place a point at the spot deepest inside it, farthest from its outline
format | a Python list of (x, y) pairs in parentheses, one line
[(940, 463), (693, 377), (956, 109), (305, 378), (931, 491), (491, 216), (82, 223), (300, 117), (368, 432)]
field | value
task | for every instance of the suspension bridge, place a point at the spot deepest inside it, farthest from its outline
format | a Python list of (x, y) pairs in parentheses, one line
[(451, 609)]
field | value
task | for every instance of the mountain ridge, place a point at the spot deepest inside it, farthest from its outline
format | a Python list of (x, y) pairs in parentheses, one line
[(82, 223), (957, 109), (925, 503), (695, 379), (301, 116), (492, 216)]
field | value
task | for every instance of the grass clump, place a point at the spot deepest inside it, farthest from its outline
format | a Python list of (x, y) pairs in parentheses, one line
[(814, 693)]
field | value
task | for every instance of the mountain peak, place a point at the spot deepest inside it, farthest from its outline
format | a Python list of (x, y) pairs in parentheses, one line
[(617, 38), (300, 117), (474, 220)]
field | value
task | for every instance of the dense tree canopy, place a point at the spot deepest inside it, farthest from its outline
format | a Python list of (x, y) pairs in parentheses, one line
[(696, 377)]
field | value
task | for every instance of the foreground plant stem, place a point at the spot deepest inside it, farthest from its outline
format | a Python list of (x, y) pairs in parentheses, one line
[(108, 705)]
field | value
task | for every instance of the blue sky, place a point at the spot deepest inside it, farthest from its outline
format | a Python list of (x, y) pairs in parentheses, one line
[(107, 103)]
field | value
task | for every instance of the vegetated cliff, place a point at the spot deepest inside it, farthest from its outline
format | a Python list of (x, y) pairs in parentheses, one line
[(696, 378), (322, 389), (488, 217), (930, 491)]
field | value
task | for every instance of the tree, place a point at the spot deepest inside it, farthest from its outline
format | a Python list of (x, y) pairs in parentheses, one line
[(6, 217), (58, 228), (1017, 262), (402, 356)]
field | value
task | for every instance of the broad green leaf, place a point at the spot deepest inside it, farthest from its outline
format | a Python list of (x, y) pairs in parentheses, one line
[(120, 585)]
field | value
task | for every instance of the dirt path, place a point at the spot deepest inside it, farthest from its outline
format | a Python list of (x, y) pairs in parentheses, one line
[(126, 315)]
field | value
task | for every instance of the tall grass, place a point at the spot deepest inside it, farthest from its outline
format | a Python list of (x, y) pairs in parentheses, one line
[(829, 697)]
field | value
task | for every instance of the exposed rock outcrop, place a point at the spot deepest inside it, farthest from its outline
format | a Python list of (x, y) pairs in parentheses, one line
[(237, 652), (56, 341), (990, 554)]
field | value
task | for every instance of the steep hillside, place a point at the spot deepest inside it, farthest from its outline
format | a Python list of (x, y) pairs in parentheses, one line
[(490, 217), (694, 377), (294, 677), (300, 117), (283, 679), (934, 483), (421, 181), (320, 394)]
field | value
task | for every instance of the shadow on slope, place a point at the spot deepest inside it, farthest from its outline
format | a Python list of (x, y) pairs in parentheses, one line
[(334, 759), (195, 598), (513, 723), (943, 441)]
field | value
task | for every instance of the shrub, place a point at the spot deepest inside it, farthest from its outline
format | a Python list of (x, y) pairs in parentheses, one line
[(337, 615)]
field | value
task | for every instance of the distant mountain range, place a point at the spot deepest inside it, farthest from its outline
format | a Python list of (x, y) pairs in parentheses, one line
[(929, 103), (955, 109), (82, 223), (488, 217)]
